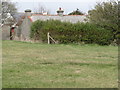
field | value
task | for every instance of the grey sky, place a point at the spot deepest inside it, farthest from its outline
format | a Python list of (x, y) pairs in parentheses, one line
[(53, 5)]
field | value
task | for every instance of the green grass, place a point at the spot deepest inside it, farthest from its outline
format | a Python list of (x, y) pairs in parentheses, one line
[(30, 65)]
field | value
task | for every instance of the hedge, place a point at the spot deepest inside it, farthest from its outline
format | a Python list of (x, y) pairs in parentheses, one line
[(66, 32)]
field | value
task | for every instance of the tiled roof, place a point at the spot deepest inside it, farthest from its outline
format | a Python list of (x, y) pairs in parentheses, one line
[(66, 18)]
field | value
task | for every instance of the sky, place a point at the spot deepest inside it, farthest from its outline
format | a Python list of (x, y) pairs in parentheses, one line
[(53, 5)]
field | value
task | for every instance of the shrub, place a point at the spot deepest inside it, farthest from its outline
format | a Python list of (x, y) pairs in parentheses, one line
[(66, 32)]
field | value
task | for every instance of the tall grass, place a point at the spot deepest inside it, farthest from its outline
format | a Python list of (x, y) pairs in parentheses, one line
[(35, 65)]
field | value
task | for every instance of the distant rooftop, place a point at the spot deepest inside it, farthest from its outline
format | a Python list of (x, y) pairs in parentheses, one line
[(65, 18)]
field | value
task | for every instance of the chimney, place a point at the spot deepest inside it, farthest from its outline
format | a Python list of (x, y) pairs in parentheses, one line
[(60, 12), (28, 12)]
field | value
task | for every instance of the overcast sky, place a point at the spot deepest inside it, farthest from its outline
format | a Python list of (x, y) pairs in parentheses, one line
[(53, 5)]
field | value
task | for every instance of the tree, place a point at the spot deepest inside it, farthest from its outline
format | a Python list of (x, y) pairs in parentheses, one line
[(0, 11), (76, 12), (119, 20), (8, 11), (40, 9), (105, 15)]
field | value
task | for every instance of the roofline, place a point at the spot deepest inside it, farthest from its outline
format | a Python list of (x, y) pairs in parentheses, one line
[(30, 18), (56, 15), (42, 15)]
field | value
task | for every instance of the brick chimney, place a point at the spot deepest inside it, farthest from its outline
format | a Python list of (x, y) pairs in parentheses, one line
[(27, 12), (60, 12)]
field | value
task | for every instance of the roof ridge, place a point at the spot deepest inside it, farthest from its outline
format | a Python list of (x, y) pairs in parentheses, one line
[(29, 17), (55, 15)]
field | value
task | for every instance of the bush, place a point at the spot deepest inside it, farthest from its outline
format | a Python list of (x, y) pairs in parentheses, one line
[(66, 32)]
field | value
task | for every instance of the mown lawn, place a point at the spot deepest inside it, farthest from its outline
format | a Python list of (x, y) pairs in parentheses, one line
[(30, 65)]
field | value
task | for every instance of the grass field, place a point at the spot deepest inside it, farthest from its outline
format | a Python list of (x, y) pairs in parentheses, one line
[(30, 65)]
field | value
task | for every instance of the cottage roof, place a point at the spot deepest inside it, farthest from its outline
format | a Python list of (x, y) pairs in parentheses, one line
[(64, 18)]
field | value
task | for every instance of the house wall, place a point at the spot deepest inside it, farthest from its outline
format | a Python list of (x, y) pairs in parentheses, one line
[(24, 30), (5, 32), (18, 31)]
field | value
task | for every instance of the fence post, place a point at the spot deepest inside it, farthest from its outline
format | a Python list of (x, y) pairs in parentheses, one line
[(48, 35)]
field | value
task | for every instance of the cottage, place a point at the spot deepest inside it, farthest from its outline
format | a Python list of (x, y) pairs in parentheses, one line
[(7, 28), (23, 30)]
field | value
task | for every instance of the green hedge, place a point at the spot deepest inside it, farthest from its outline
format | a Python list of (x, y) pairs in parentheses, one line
[(65, 32)]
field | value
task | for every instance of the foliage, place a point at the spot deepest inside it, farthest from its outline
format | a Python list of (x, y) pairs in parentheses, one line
[(76, 12), (66, 32), (105, 14), (40, 9), (8, 10)]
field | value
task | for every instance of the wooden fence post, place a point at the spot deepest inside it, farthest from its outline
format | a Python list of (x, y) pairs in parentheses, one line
[(48, 35)]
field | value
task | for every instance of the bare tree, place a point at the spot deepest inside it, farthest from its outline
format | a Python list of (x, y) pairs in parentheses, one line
[(8, 11), (40, 9)]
